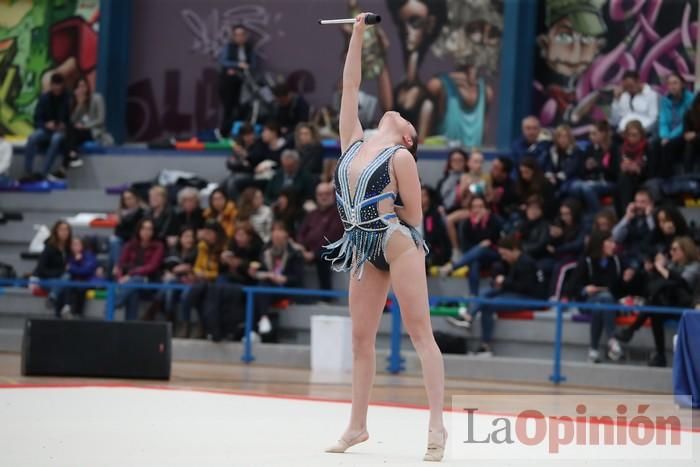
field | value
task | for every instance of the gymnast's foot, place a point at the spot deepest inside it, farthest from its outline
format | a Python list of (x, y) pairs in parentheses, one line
[(436, 445), (350, 438)]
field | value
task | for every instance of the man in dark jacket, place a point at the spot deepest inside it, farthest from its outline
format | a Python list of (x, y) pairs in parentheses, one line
[(634, 231), (51, 118), (290, 176), (320, 227), (290, 109), (529, 143), (237, 59), (534, 232), (522, 282)]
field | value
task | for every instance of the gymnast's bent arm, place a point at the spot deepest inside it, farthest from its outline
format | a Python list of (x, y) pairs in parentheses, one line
[(350, 127), (406, 174)]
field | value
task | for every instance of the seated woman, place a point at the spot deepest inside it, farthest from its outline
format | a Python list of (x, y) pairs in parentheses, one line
[(281, 265), (256, 212), (523, 281), (52, 261), (434, 230), (599, 279), (532, 182), (140, 261), (565, 244), (632, 172), (87, 122), (82, 266), (480, 233), (562, 164), (448, 186), (674, 284), (308, 144), (222, 210)]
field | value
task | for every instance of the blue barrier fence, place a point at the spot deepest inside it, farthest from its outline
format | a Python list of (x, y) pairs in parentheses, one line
[(395, 360)]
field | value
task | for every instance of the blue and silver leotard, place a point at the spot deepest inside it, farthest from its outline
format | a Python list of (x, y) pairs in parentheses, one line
[(367, 230)]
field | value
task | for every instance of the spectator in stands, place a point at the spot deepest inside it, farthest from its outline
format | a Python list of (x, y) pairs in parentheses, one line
[(565, 244), (634, 230), (53, 259), (273, 143), (633, 164), (634, 100), (129, 214), (87, 122), (320, 227), (670, 224), (449, 185), (290, 108), (523, 281), (188, 214), (473, 182), (673, 107), (532, 182), (256, 212), (530, 143), (281, 265), (674, 284), (599, 279), (434, 230), (140, 262), (178, 265), (479, 235), (223, 210), (162, 215), (599, 167), (308, 145), (691, 136), (239, 162), (502, 199), (244, 248), (562, 164), (291, 176), (604, 221), (287, 209), (82, 266), (237, 58), (202, 294), (51, 119), (533, 233)]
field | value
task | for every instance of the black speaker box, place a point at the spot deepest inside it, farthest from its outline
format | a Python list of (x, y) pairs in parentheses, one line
[(105, 349)]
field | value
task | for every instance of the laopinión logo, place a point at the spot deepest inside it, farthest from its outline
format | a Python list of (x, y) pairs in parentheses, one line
[(595, 427)]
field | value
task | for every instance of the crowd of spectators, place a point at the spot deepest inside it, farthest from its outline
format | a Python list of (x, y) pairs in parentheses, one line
[(587, 220)]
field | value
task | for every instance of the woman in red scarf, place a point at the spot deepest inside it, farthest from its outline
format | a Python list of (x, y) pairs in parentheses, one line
[(633, 163)]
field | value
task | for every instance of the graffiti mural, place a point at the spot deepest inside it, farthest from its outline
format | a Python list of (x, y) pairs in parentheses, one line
[(436, 61), (38, 38), (585, 46)]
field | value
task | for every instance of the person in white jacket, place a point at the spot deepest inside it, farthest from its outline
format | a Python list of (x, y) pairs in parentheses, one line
[(635, 100)]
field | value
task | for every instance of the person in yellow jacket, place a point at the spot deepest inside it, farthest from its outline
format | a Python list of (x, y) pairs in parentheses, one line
[(223, 210)]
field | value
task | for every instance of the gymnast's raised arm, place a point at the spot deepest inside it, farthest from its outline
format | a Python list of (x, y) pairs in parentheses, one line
[(350, 127)]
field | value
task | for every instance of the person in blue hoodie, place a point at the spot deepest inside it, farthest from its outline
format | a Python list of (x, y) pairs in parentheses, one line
[(673, 107), (81, 266)]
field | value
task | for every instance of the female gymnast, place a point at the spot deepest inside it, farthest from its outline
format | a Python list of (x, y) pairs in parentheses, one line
[(381, 247)]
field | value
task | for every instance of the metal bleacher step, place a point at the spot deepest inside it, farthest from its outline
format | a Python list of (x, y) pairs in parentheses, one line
[(87, 200)]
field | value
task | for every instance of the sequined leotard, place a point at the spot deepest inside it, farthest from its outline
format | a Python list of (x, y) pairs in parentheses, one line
[(367, 230)]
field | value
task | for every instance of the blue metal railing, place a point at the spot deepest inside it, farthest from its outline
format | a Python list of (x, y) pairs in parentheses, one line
[(395, 360)]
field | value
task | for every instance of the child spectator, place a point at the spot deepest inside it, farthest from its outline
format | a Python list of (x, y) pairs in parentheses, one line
[(222, 210), (633, 164), (254, 210), (480, 233), (129, 215), (52, 262), (523, 281), (140, 262), (178, 265), (599, 279), (281, 265), (320, 227), (202, 295), (82, 266), (189, 214), (449, 185), (308, 145)]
